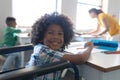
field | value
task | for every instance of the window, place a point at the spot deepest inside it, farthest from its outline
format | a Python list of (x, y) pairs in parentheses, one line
[(83, 20), (28, 11)]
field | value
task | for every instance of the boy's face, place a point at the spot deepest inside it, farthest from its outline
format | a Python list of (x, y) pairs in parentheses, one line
[(54, 37), (13, 24)]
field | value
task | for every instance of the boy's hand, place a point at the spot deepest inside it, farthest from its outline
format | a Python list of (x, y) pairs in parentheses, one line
[(89, 44)]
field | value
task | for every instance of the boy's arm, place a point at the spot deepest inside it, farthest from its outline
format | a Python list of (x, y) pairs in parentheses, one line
[(79, 58), (76, 59), (15, 30)]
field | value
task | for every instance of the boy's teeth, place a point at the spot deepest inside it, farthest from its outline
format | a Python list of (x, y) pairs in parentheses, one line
[(55, 43)]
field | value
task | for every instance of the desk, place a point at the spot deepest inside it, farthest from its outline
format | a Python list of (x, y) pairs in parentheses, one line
[(90, 37), (86, 37), (100, 66), (23, 38)]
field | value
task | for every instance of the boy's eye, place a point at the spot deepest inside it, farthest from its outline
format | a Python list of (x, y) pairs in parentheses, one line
[(61, 33), (50, 32)]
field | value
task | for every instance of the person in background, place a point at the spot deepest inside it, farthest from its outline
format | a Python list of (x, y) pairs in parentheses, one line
[(9, 39), (51, 34), (109, 23)]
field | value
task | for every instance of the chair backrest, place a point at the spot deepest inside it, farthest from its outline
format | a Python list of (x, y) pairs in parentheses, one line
[(18, 48), (29, 73)]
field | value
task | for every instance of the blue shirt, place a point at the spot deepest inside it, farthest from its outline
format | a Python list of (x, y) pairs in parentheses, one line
[(44, 55)]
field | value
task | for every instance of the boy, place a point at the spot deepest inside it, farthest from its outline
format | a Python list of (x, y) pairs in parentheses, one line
[(9, 39), (51, 34)]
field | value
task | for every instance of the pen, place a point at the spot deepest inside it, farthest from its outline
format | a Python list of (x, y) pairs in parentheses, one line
[(111, 52)]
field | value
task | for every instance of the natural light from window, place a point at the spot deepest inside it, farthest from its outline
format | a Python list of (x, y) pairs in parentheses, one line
[(28, 11), (83, 20)]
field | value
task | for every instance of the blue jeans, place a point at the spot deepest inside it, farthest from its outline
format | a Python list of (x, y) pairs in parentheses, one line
[(13, 57)]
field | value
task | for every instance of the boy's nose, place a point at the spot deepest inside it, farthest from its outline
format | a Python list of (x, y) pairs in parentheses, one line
[(55, 36)]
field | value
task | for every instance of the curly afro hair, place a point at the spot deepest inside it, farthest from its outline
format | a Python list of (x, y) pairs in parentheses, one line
[(40, 27)]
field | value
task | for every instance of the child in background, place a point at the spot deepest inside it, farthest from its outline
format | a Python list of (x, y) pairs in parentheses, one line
[(50, 35), (9, 39)]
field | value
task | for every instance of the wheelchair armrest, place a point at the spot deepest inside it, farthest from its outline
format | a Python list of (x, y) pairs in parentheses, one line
[(27, 73), (8, 50)]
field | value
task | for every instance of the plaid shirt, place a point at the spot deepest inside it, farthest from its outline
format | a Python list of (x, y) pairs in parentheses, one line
[(43, 55)]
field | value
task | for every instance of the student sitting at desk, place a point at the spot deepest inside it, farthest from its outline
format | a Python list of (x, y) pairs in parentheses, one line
[(51, 34), (9, 39), (108, 22)]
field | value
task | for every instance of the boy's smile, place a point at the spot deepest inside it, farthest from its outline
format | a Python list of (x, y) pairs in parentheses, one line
[(54, 37)]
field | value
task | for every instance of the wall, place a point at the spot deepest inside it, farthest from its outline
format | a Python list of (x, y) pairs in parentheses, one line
[(69, 8), (5, 10), (114, 8), (105, 5)]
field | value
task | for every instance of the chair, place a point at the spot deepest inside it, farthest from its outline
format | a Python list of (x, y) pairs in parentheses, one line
[(35, 71)]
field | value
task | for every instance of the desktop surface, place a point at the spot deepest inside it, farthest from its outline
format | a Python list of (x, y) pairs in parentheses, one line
[(98, 59)]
